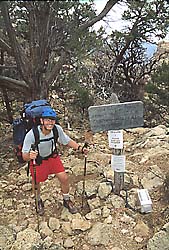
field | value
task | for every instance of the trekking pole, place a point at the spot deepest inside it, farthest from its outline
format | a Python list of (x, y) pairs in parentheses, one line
[(35, 186), (84, 174)]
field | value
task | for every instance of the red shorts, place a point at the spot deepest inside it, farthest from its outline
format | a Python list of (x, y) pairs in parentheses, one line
[(47, 167)]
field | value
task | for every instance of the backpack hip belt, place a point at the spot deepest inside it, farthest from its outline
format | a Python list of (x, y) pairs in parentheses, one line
[(39, 158)]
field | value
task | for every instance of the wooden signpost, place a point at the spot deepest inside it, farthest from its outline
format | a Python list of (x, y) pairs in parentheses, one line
[(113, 118), (115, 138)]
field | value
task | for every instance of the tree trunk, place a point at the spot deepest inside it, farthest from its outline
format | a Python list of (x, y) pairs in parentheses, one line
[(8, 107)]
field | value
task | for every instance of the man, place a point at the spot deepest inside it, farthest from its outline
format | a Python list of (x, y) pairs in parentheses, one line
[(49, 162)]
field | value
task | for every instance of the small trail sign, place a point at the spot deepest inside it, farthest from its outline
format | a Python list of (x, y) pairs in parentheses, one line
[(116, 116), (115, 138), (118, 163)]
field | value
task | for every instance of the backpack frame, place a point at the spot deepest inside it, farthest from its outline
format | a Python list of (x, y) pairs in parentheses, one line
[(30, 119)]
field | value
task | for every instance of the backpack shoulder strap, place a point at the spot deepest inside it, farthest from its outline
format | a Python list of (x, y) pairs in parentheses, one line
[(55, 134), (36, 135)]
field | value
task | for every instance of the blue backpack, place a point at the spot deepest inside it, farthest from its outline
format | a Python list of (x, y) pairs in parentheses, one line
[(30, 119)]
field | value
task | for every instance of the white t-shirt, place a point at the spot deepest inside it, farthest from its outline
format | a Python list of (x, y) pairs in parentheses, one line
[(45, 147)]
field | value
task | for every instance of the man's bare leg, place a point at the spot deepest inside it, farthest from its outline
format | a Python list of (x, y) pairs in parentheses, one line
[(64, 182)]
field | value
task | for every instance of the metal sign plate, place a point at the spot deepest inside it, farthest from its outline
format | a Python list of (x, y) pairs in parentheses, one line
[(116, 116)]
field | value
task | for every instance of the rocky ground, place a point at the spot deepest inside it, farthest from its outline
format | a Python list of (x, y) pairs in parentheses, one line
[(104, 221)]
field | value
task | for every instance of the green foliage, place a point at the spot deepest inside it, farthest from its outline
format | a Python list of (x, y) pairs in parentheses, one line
[(77, 85), (64, 22), (158, 94), (158, 87), (151, 18), (84, 100)]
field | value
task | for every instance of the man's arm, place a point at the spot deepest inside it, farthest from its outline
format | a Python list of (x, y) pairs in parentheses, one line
[(76, 146), (73, 145), (27, 153)]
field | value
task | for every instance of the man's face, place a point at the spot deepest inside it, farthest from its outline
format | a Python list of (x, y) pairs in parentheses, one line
[(48, 123)]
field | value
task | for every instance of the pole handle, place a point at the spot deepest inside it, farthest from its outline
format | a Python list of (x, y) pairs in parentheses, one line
[(33, 147), (85, 146)]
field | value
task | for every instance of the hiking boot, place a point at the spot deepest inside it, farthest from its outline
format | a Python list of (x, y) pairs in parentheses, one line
[(70, 206), (40, 208)]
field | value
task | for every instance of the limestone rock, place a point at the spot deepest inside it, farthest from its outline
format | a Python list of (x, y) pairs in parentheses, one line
[(7, 237), (27, 240), (160, 240)]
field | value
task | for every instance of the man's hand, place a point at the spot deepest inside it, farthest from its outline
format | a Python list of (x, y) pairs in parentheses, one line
[(33, 154), (84, 149)]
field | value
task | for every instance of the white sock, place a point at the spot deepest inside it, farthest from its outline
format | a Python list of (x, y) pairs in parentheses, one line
[(66, 196)]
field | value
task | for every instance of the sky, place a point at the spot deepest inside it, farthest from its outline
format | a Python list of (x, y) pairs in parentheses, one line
[(114, 16), (115, 22)]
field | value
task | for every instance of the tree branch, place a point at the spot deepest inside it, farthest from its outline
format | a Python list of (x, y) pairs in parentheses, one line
[(104, 12), (5, 46), (8, 66), (13, 84), (20, 57), (52, 75)]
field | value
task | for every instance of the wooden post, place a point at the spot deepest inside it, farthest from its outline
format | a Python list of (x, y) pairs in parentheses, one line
[(118, 176), (118, 159)]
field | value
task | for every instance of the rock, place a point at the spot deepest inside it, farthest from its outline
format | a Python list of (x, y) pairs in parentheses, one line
[(138, 239), (117, 201), (94, 214), (101, 234), (80, 224), (108, 220), (127, 219), (94, 203), (8, 203), (54, 224), (22, 179), (157, 131), (141, 229), (68, 243), (10, 188), (47, 242), (153, 178), (67, 216), (66, 227), (27, 240), (27, 187), (56, 247), (115, 248), (3, 183), (104, 190), (7, 237), (91, 187), (160, 240), (85, 247), (45, 230), (105, 212), (78, 169), (109, 225)]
